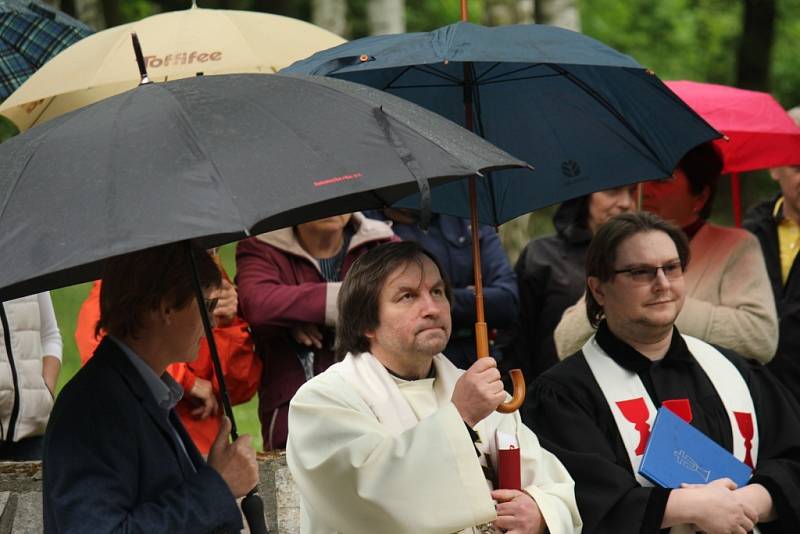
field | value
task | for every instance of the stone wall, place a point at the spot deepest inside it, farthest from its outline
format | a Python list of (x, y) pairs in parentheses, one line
[(21, 496)]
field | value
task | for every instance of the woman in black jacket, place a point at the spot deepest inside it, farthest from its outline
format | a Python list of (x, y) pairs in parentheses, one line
[(550, 273)]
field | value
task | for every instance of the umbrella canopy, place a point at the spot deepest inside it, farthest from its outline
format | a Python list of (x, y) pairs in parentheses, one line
[(31, 33), (176, 44), (587, 116), (214, 159), (761, 134)]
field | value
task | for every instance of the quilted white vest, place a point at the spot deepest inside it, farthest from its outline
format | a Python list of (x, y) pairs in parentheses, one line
[(35, 400)]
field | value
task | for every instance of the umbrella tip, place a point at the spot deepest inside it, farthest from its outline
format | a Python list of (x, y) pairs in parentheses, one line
[(725, 137), (137, 50)]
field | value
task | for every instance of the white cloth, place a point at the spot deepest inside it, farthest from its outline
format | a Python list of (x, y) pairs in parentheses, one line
[(365, 462)]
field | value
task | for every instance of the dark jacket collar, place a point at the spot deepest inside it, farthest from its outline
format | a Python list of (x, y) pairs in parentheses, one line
[(631, 359), (569, 221), (109, 354)]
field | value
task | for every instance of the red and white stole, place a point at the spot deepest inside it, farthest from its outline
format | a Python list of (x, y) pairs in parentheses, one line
[(634, 412)]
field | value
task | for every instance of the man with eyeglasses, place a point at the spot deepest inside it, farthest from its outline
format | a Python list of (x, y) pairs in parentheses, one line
[(728, 299), (597, 407)]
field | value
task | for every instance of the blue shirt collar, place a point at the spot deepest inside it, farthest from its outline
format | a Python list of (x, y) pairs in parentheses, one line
[(166, 391)]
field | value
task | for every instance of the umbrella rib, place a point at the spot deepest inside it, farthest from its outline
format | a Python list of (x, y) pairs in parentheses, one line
[(603, 102), (427, 70), (389, 85), (196, 139), (486, 72), (515, 71), (481, 132), (501, 79), (408, 159), (425, 86)]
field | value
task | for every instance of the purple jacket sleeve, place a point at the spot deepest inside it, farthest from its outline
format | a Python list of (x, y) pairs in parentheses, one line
[(267, 294)]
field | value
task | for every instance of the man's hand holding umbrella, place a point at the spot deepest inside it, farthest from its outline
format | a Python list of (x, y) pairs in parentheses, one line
[(235, 462)]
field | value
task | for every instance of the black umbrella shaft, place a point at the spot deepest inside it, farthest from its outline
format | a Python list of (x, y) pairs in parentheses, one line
[(252, 505), (212, 345), (137, 51)]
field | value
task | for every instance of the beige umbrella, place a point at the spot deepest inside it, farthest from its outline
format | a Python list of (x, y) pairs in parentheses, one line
[(177, 44)]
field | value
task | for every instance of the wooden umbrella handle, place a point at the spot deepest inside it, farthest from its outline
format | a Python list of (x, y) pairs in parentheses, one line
[(481, 330), (518, 397)]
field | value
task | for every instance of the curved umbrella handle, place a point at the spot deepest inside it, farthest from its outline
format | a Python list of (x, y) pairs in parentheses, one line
[(519, 393), (482, 346)]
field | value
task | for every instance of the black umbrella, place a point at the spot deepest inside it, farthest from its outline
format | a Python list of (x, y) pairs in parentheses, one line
[(212, 160)]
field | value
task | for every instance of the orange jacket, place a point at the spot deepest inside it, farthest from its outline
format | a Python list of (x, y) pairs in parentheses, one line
[(241, 367)]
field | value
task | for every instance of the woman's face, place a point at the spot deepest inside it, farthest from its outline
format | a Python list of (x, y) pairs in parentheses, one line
[(606, 204), (672, 199)]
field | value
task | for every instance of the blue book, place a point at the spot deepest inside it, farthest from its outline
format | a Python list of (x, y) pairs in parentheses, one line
[(677, 452)]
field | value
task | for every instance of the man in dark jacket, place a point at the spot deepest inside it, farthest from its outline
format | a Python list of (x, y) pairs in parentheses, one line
[(776, 223), (116, 457)]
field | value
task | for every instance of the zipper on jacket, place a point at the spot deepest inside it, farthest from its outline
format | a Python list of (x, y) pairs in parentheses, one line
[(15, 407)]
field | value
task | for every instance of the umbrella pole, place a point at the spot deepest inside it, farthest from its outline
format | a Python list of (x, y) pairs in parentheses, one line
[(481, 330), (252, 506)]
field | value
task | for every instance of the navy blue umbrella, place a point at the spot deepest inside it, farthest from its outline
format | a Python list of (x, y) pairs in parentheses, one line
[(31, 33), (584, 115), (588, 117)]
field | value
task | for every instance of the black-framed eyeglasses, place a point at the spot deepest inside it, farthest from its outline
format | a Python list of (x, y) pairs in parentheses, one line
[(648, 273), (210, 304)]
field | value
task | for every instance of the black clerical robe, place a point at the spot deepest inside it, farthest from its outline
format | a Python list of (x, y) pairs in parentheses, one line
[(569, 413)]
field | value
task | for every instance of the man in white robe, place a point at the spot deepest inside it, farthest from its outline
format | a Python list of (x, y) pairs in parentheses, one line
[(395, 439)]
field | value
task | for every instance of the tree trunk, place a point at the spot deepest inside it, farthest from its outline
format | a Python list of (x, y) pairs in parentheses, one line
[(386, 16), (755, 48), (500, 12), (516, 233), (330, 14), (562, 13), (90, 12), (111, 13)]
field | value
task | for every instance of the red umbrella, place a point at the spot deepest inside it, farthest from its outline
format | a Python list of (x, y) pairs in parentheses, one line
[(760, 132)]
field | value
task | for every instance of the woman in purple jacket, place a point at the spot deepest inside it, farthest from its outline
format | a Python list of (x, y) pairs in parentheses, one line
[(288, 282)]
